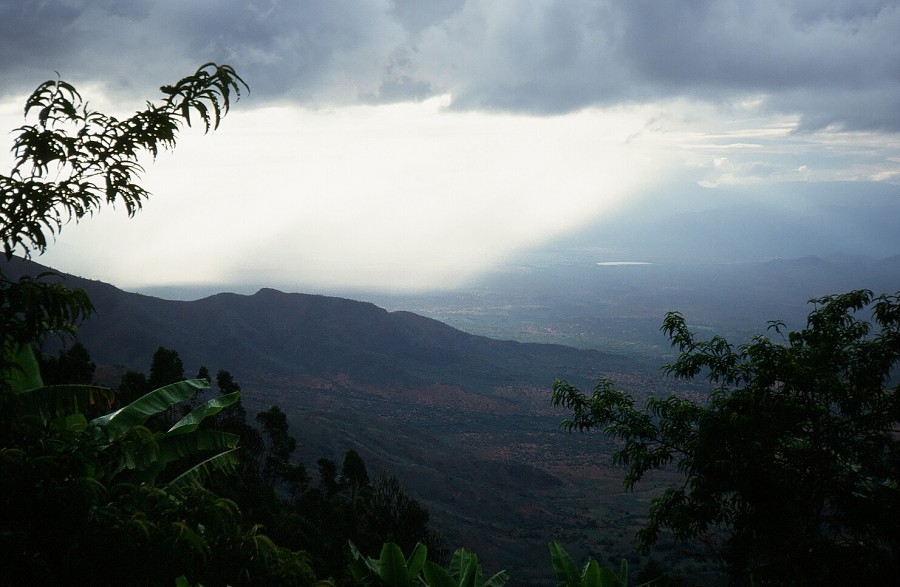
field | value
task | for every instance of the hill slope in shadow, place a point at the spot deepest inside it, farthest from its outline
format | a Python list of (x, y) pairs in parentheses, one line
[(275, 334)]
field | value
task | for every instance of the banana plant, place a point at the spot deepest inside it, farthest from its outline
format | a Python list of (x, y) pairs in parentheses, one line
[(592, 575), (182, 440), (127, 449), (465, 571), (391, 569)]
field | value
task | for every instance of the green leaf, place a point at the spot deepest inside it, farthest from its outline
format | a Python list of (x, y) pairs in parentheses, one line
[(591, 576), (563, 566), (469, 568), (197, 475), (607, 578), (416, 560), (22, 371), (459, 563), (176, 447), (142, 409), (73, 422), (393, 566), (365, 570), (498, 579), (210, 408), (437, 576)]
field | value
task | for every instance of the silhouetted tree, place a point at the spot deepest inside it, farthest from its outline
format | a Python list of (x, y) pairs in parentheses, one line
[(233, 419), (71, 365), (391, 515), (165, 368), (794, 459), (327, 476), (279, 444), (225, 382), (354, 477), (132, 385)]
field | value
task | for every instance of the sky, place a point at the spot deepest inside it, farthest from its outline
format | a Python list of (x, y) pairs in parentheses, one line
[(411, 145)]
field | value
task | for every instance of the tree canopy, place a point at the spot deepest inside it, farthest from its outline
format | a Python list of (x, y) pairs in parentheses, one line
[(791, 465)]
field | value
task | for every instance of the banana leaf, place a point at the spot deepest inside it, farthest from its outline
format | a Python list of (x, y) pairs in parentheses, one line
[(566, 573), (416, 561), (54, 401), (467, 572), (171, 449), (594, 576), (210, 408), (366, 570), (200, 473), (393, 566), (179, 446), (20, 366), (464, 567), (391, 569), (623, 572), (142, 409), (498, 579), (437, 576)]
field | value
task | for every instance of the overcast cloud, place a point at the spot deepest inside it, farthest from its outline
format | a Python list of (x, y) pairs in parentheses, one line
[(834, 63), (435, 138)]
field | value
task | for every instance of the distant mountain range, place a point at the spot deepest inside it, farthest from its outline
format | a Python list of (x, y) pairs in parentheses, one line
[(272, 334)]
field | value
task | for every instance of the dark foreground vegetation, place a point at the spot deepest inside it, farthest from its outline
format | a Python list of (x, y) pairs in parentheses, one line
[(788, 470)]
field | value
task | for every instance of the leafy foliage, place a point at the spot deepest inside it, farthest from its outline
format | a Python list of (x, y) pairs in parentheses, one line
[(93, 159), (119, 441), (94, 156), (392, 569), (592, 575), (464, 571), (389, 513), (34, 306), (793, 459), (108, 500)]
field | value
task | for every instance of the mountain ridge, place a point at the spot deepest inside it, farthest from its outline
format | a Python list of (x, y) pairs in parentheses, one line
[(273, 333)]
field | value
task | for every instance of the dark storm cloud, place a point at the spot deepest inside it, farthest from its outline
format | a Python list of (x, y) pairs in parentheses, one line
[(305, 51), (752, 46), (31, 33), (835, 63)]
